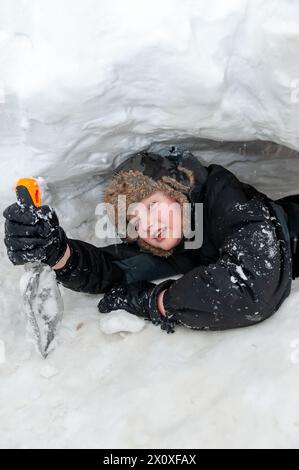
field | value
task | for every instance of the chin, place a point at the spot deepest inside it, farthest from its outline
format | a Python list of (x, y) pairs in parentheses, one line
[(168, 244)]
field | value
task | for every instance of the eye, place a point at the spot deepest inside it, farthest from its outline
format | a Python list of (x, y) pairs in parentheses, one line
[(151, 204)]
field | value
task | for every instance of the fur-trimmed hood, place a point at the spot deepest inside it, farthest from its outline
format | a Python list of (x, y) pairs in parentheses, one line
[(144, 173)]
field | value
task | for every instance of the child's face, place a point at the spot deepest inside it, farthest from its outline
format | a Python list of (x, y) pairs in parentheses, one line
[(158, 220)]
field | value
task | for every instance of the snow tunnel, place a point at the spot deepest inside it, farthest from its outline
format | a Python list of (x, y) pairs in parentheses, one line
[(84, 84)]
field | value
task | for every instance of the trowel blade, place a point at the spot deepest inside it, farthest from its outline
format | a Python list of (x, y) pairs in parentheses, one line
[(43, 304)]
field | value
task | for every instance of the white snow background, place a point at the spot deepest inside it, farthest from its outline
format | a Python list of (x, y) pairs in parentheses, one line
[(83, 83)]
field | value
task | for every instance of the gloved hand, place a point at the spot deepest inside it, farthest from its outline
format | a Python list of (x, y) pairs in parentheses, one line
[(33, 235), (139, 298)]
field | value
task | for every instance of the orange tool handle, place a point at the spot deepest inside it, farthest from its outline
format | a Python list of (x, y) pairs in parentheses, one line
[(28, 192)]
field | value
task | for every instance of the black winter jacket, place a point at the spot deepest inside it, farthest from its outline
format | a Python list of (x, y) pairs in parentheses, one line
[(239, 276)]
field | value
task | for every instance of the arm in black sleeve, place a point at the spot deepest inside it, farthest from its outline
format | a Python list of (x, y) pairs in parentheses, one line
[(233, 292), (94, 269), (89, 269)]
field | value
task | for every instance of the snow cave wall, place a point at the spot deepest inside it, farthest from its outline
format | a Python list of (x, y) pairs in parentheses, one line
[(84, 83)]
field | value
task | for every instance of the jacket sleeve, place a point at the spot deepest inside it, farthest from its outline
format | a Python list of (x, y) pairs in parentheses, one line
[(94, 269), (89, 269), (238, 289)]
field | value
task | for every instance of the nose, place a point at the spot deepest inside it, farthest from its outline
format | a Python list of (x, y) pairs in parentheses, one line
[(148, 228), (145, 229)]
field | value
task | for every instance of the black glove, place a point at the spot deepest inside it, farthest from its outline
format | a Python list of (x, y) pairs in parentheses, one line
[(33, 235), (139, 298)]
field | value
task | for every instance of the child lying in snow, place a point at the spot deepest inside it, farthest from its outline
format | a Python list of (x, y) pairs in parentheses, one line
[(239, 276)]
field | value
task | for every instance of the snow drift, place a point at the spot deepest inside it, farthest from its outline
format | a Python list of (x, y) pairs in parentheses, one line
[(82, 85)]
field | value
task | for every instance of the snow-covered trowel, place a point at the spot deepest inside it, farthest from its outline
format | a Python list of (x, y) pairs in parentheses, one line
[(42, 300)]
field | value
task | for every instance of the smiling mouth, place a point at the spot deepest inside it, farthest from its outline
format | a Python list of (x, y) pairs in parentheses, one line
[(159, 236)]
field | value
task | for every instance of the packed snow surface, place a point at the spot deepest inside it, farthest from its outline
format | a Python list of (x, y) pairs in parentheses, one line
[(82, 85)]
